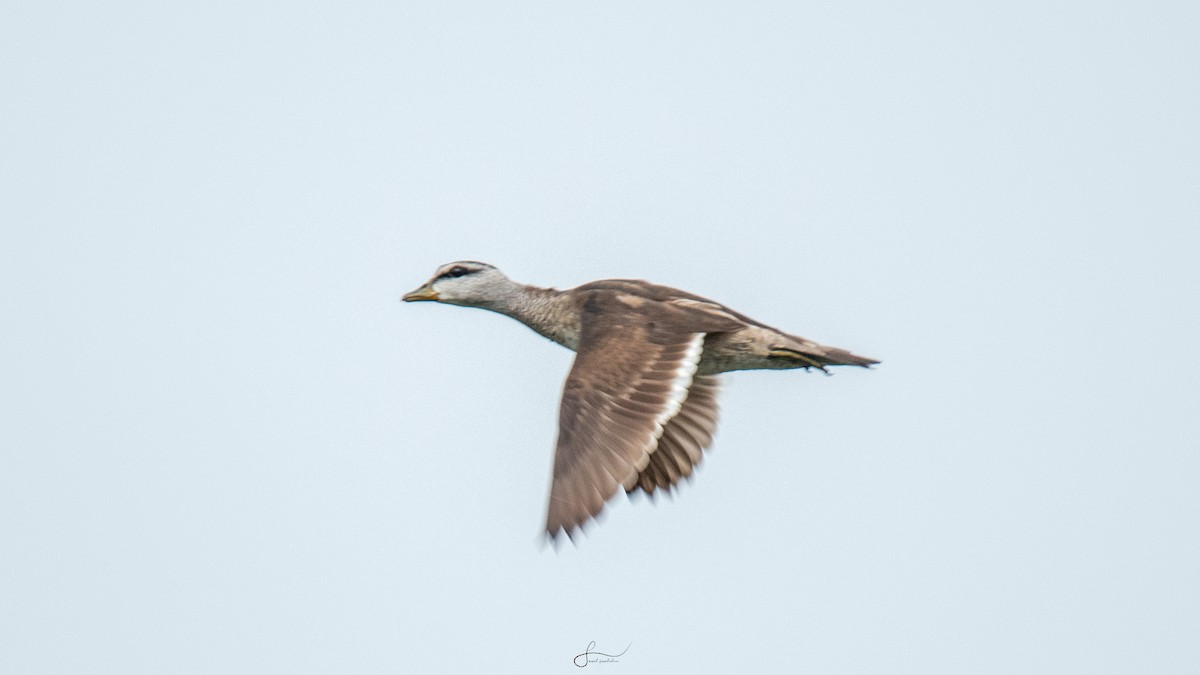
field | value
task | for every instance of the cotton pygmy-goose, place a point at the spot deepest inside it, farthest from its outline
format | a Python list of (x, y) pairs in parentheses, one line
[(640, 404)]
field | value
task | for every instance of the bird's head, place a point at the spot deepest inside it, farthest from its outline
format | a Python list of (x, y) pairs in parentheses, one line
[(467, 283)]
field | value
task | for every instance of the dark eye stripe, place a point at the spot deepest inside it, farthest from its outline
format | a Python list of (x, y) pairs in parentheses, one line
[(456, 271)]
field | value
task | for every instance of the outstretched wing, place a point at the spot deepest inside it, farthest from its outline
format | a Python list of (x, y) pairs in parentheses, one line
[(631, 376)]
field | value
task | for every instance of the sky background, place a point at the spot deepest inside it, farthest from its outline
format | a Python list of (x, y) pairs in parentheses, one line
[(227, 447)]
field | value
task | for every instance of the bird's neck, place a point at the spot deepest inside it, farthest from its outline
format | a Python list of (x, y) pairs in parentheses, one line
[(547, 311)]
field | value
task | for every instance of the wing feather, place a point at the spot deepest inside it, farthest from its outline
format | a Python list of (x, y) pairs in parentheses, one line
[(685, 438)]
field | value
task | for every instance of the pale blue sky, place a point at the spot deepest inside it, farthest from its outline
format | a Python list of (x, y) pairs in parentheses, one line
[(228, 448)]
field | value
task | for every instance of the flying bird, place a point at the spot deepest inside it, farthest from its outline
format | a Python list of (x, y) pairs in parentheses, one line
[(639, 407)]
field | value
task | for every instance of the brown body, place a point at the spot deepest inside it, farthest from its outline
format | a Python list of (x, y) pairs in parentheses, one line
[(733, 340)]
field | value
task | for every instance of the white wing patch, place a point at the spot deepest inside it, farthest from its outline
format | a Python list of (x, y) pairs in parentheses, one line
[(679, 386)]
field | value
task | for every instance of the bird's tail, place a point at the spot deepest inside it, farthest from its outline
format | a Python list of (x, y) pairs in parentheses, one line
[(809, 354)]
